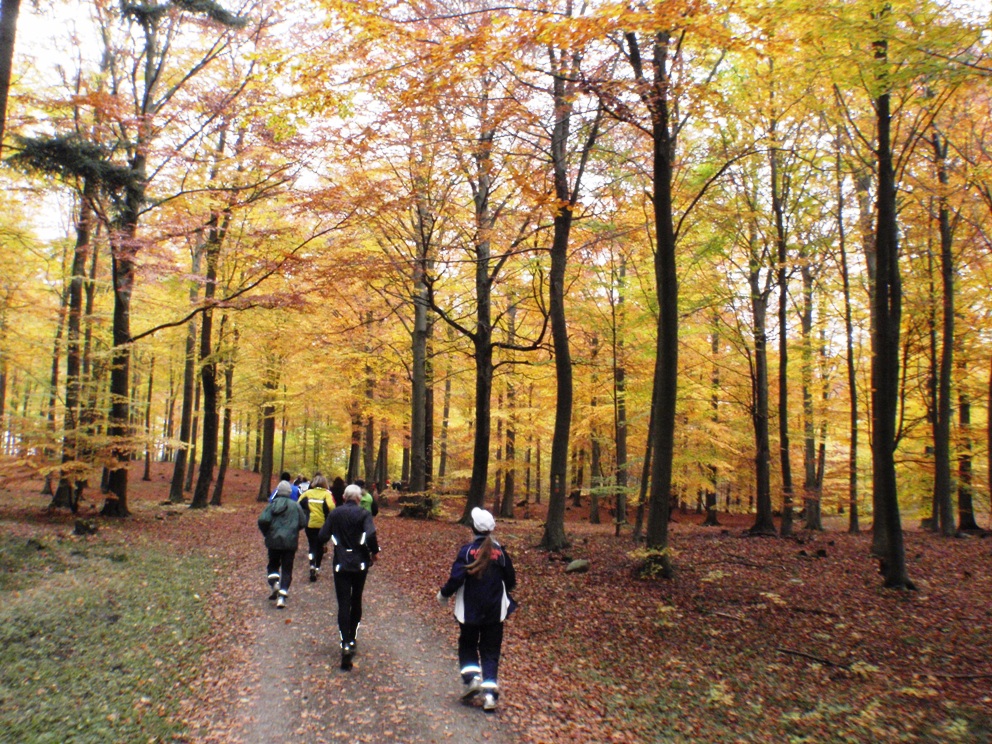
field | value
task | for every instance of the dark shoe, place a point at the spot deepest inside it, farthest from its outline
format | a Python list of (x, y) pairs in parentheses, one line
[(313, 573)]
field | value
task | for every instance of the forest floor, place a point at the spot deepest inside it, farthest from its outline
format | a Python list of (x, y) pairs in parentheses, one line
[(755, 639)]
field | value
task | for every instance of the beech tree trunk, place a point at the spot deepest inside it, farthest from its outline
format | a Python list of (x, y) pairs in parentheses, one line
[(889, 544), (268, 429), (853, 525), (70, 485), (9, 10)]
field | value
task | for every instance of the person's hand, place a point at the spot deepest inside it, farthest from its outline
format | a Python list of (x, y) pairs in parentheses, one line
[(441, 598), (373, 558)]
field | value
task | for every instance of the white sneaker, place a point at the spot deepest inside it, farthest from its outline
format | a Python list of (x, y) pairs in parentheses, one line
[(281, 602), (489, 702), (472, 688), (273, 580)]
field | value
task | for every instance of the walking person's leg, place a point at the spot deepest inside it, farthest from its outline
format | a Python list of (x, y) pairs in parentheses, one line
[(490, 646), (357, 589), (272, 573), (314, 552), (468, 659), (342, 590), (286, 571)]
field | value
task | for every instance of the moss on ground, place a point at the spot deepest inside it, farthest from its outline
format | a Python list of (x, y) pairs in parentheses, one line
[(96, 639)]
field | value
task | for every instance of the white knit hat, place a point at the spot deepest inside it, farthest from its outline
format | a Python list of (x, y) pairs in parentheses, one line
[(482, 521)]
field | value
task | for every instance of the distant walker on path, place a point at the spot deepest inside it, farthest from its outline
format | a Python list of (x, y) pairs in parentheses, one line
[(351, 529), (281, 523)]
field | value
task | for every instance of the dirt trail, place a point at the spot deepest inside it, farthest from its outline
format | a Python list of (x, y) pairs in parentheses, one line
[(403, 687)]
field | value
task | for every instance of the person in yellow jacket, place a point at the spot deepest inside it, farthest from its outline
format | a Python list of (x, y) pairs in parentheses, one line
[(317, 501)]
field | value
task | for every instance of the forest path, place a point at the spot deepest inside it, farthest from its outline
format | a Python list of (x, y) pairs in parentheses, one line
[(289, 687)]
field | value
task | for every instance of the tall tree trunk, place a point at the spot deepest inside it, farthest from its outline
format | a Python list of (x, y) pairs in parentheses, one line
[(208, 361), (270, 386), (885, 343), (482, 337), (782, 257), (354, 453), (421, 307), (811, 493), (124, 248), (666, 281), (853, 525), (147, 476), (68, 491), (764, 523), (442, 469), (554, 537), (564, 73), (9, 10), (225, 451), (618, 328), (944, 514), (189, 391), (191, 465), (368, 440), (711, 490), (966, 505)]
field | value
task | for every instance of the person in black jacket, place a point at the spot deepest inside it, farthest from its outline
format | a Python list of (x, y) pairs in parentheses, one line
[(281, 523), (481, 579), (351, 529)]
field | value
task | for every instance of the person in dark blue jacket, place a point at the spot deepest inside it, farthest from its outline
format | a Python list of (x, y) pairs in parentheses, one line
[(481, 580), (351, 529)]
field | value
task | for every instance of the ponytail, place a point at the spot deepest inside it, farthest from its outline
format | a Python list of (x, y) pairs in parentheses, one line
[(482, 558)]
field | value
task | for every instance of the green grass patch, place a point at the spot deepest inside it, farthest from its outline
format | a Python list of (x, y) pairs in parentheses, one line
[(96, 639)]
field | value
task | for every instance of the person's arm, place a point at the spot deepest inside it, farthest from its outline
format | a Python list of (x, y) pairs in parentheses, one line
[(325, 532), (459, 570), (264, 520), (509, 573)]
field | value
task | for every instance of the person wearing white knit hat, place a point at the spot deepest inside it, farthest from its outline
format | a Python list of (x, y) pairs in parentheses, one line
[(481, 580)]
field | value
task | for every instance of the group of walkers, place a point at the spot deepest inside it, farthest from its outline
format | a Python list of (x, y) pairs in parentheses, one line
[(480, 580)]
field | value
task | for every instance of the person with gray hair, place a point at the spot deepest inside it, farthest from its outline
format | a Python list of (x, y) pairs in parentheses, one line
[(351, 529)]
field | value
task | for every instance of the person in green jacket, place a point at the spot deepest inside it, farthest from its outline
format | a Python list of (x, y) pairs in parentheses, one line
[(281, 523), (368, 502)]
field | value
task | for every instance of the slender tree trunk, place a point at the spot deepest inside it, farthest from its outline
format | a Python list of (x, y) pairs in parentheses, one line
[(712, 519), (966, 505), (189, 386), (124, 249), (764, 523), (225, 452), (445, 417), (885, 344), (853, 525), (9, 10), (191, 465), (208, 361), (778, 210), (147, 476), (354, 453), (66, 495), (268, 430), (944, 514), (618, 328)]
